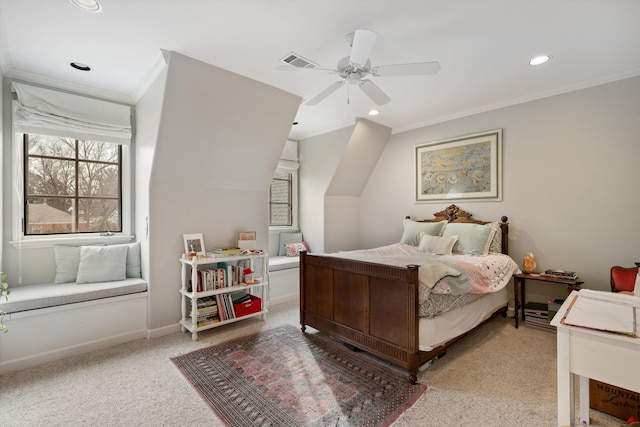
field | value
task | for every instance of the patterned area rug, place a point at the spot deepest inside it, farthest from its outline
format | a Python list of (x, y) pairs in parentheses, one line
[(282, 377)]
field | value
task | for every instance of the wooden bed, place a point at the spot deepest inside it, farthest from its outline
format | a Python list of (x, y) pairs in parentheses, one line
[(374, 307)]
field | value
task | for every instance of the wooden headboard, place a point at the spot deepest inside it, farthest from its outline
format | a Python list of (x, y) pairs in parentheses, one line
[(454, 214)]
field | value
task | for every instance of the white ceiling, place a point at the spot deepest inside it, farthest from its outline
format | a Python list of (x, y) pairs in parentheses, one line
[(483, 48)]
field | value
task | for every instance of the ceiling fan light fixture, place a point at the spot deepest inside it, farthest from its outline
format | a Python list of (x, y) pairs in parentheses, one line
[(539, 60), (88, 5), (374, 112)]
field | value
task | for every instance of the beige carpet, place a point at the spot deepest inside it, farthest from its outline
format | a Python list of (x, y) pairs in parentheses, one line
[(497, 376)]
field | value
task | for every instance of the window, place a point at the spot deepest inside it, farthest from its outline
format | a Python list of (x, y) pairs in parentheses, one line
[(280, 199), (283, 192), (71, 186), (72, 171)]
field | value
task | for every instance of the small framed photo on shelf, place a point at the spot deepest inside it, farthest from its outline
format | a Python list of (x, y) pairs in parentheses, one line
[(194, 245), (247, 240), (247, 235)]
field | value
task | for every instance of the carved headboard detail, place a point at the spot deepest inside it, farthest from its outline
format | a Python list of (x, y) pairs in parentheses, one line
[(454, 214)]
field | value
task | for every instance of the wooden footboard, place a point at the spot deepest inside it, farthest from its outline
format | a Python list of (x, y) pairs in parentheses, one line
[(370, 306)]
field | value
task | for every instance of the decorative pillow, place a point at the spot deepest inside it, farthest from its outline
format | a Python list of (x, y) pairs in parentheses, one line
[(436, 245), (472, 238), (67, 261), (288, 238), (412, 230), (293, 249), (102, 263), (133, 259)]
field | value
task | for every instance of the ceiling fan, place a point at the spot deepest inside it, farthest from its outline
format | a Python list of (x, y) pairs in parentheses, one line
[(354, 68)]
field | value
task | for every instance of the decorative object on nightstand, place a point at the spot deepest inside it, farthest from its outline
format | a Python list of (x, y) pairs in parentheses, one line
[(529, 263)]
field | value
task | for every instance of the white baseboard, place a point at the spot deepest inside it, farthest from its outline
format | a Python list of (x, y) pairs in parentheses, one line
[(165, 330)]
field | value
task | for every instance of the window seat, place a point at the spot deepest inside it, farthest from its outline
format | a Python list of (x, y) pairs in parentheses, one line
[(277, 263), (33, 297), (284, 279), (50, 321)]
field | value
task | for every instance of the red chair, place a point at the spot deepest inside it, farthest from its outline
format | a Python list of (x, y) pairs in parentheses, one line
[(623, 278)]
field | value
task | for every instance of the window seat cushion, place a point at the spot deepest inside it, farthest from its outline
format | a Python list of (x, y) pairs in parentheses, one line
[(32, 297), (283, 262)]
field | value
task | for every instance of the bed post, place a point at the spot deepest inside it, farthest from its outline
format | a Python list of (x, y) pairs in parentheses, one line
[(303, 255), (504, 225)]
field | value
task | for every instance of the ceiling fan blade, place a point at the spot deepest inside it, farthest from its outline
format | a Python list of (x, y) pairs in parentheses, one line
[(418, 68), (322, 95), (363, 41), (374, 92)]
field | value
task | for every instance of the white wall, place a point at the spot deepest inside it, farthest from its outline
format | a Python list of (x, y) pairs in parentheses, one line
[(570, 180), (148, 111), (219, 140), (319, 159)]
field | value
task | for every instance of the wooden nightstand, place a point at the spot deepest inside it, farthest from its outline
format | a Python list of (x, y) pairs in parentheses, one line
[(519, 283)]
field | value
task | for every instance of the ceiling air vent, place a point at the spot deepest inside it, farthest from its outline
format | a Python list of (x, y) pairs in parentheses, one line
[(298, 61)]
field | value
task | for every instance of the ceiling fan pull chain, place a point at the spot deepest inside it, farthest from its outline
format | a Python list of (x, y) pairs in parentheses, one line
[(348, 93)]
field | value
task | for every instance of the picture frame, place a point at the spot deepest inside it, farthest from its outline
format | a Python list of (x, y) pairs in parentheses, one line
[(194, 243), (467, 167), (247, 235), (247, 240)]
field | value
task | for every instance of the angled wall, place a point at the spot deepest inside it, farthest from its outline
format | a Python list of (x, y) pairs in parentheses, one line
[(219, 139), (335, 168)]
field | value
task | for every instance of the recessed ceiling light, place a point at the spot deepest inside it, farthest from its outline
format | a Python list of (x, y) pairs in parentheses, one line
[(80, 66), (374, 112), (88, 5), (539, 60)]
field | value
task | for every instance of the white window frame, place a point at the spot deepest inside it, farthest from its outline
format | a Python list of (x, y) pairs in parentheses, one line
[(19, 239), (294, 204)]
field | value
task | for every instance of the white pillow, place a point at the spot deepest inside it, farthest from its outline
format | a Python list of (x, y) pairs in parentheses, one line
[(436, 245), (133, 259), (67, 261), (102, 263)]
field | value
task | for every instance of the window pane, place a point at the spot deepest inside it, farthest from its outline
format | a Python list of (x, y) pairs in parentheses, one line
[(55, 177), (280, 215), (49, 216), (98, 180), (53, 146), (99, 151), (99, 215), (279, 191)]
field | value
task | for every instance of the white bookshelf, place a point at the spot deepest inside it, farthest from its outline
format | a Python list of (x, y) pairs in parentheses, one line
[(209, 295)]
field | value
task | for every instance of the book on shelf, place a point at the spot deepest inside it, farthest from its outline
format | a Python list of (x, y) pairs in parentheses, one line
[(227, 251)]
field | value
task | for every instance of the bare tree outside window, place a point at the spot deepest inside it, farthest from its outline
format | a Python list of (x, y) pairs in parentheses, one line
[(71, 186)]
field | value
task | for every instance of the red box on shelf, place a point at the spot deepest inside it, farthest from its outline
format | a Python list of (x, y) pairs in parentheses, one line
[(251, 306)]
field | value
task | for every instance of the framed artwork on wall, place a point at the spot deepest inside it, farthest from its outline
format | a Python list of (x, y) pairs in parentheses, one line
[(194, 243), (468, 167)]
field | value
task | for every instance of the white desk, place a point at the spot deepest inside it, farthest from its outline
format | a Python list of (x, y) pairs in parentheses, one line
[(607, 357)]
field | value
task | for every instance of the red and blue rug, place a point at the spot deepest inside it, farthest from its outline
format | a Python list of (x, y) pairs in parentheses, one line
[(282, 377)]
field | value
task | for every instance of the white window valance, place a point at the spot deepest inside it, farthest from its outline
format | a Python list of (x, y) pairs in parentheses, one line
[(49, 112), (289, 157)]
